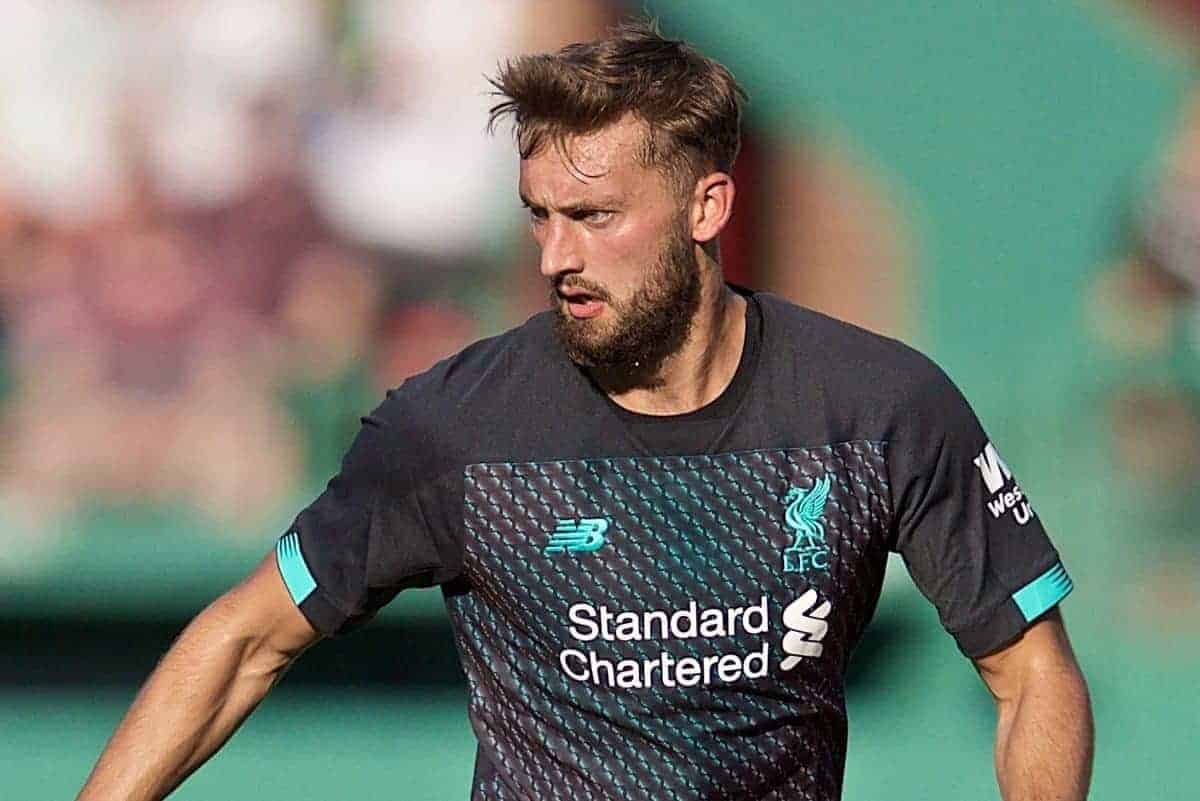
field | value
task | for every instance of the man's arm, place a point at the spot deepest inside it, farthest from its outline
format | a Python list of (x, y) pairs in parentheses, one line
[(1044, 735), (214, 675)]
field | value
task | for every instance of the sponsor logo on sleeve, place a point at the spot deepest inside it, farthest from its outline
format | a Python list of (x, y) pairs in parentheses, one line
[(1007, 497)]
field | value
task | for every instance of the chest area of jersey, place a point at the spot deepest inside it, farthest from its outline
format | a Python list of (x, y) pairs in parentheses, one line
[(720, 545)]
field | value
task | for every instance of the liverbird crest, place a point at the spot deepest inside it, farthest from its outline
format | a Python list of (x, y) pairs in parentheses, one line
[(804, 512)]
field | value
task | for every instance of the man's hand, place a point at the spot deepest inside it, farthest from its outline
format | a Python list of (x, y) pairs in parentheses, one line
[(214, 675), (1044, 736)]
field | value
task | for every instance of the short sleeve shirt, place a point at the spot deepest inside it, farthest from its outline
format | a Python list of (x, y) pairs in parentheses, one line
[(664, 607)]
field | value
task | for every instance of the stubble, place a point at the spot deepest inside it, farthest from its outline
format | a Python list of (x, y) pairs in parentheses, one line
[(648, 327)]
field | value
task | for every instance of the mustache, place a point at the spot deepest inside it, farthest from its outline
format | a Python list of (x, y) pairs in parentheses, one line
[(581, 284)]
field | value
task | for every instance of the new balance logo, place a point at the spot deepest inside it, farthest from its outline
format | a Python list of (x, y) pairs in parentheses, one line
[(807, 628), (582, 535)]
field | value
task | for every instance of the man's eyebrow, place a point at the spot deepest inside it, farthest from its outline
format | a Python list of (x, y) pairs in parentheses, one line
[(576, 206)]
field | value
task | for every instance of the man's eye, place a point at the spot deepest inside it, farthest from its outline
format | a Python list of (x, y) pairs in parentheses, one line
[(537, 215), (593, 215)]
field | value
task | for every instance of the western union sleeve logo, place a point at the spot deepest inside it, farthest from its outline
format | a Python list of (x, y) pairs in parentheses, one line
[(996, 477)]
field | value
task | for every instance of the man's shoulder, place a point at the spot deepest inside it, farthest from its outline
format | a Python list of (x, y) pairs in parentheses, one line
[(869, 385), (829, 346), (485, 377)]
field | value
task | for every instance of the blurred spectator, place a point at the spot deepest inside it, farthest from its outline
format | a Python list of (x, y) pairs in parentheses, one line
[(226, 225), (400, 160), (202, 70), (1144, 314), (329, 315), (824, 231), (60, 77), (418, 335)]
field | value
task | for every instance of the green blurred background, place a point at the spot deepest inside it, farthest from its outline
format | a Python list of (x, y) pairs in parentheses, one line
[(187, 344)]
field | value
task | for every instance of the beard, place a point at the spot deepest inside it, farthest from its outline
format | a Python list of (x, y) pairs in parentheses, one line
[(646, 328)]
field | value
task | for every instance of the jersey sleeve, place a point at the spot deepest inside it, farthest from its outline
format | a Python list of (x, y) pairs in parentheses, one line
[(964, 526), (367, 536)]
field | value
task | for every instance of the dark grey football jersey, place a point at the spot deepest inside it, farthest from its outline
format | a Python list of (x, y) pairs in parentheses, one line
[(665, 607)]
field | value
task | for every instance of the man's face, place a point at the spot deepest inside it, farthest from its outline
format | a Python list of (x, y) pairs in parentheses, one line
[(616, 248)]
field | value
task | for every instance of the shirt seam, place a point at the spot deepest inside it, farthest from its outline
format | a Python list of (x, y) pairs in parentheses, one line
[(641, 457)]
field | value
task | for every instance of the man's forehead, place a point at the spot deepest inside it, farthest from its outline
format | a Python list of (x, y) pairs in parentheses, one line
[(590, 160), (611, 147)]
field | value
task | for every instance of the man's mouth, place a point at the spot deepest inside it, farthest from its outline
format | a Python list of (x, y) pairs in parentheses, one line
[(581, 304)]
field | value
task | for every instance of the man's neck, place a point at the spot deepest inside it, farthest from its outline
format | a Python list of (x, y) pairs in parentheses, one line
[(699, 372)]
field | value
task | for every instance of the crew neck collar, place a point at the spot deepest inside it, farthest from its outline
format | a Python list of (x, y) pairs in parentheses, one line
[(730, 398)]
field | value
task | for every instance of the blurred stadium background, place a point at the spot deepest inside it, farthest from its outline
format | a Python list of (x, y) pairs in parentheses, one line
[(226, 226)]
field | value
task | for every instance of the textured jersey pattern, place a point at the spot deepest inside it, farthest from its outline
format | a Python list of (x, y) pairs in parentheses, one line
[(709, 529)]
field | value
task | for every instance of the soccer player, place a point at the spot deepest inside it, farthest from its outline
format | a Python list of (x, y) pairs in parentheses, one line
[(660, 512)]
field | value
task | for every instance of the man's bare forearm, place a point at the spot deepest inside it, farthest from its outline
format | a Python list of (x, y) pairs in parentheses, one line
[(215, 674), (1044, 743), (1045, 732)]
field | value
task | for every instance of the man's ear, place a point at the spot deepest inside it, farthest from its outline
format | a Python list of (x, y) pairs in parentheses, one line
[(712, 206)]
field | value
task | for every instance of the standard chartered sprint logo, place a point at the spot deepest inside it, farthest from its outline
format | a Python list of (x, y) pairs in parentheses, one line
[(592, 626)]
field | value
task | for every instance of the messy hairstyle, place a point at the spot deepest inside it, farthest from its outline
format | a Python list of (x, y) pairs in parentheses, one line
[(690, 105)]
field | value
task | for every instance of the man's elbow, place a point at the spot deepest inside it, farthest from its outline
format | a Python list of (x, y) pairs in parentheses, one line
[(258, 622)]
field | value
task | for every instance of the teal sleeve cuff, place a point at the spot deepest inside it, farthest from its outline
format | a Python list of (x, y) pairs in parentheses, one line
[(1016, 613), (1040, 595), (296, 575)]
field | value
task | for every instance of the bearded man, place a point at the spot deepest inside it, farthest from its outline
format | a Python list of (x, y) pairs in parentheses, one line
[(660, 512)]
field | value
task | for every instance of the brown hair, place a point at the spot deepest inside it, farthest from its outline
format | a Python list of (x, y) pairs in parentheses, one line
[(690, 104)]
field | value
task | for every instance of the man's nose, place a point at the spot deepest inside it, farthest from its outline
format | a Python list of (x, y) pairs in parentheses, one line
[(560, 249)]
